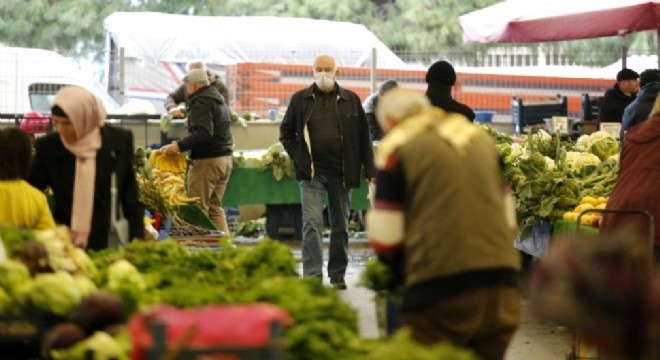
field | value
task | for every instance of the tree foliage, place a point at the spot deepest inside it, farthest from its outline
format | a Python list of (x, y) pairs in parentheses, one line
[(407, 26)]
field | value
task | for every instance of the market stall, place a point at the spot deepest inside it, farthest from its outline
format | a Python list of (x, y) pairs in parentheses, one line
[(553, 180)]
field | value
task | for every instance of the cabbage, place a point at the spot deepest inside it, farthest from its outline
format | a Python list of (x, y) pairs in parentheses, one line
[(101, 345), (604, 148), (12, 274), (5, 302), (83, 262), (85, 285), (56, 293), (122, 274)]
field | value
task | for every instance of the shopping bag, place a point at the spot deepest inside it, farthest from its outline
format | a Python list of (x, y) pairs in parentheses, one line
[(119, 233)]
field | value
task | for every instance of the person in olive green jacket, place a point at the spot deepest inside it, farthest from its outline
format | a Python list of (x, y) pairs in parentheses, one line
[(440, 222)]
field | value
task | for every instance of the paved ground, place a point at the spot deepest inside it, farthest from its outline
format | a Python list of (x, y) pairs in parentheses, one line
[(534, 340)]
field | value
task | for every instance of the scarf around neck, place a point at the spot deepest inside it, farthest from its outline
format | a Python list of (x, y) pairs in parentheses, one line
[(87, 116)]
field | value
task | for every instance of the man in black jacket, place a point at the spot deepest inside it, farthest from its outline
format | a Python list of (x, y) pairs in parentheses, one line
[(210, 143), (325, 132), (441, 77), (618, 97)]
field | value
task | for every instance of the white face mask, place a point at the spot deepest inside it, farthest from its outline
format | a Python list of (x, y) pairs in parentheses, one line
[(324, 80)]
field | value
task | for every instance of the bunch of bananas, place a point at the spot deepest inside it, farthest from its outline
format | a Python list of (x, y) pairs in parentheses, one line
[(175, 164), (168, 174), (172, 187)]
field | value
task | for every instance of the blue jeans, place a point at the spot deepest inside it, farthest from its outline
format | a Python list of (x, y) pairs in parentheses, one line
[(313, 194)]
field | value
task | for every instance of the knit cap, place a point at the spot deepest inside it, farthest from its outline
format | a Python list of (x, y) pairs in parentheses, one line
[(441, 73)]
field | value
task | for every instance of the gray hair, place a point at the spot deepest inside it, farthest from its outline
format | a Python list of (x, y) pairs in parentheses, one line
[(400, 103)]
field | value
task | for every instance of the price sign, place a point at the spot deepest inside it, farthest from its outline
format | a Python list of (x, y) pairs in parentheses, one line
[(611, 128), (559, 125)]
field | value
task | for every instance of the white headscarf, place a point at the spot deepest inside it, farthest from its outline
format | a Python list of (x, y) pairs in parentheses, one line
[(87, 116)]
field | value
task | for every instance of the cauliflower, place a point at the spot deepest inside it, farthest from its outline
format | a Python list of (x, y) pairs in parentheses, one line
[(576, 160), (599, 143), (549, 163)]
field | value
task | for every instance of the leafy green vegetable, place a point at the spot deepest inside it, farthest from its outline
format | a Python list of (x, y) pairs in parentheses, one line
[(401, 347)]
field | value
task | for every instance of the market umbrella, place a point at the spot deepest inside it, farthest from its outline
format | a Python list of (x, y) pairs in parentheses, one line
[(518, 21)]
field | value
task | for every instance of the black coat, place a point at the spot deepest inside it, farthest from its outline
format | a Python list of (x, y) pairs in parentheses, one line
[(356, 147), (440, 96), (55, 166), (613, 104)]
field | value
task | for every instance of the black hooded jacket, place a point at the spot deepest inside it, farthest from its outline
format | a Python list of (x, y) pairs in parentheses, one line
[(612, 105), (209, 125)]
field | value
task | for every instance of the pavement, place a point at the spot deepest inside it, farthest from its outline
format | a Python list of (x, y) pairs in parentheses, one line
[(534, 340)]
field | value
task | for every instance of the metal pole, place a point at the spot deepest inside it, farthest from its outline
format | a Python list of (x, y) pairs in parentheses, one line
[(122, 74), (657, 51), (374, 66)]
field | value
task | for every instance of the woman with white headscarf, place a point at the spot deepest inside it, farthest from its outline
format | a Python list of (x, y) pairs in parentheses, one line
[(77, 163)]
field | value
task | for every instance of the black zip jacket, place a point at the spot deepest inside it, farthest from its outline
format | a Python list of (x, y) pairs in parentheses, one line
[(356, 145), (209, 125)]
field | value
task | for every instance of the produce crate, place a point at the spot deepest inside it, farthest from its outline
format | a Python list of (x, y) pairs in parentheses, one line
[(222, 332), (284, 222), (271, 351), (21, 329), (529, 113), (20, 336)]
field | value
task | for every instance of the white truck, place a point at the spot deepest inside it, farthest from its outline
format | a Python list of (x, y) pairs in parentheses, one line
[(30, 78)]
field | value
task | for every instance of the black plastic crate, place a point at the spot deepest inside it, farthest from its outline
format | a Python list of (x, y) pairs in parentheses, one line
[(527, 113), (284, 221)]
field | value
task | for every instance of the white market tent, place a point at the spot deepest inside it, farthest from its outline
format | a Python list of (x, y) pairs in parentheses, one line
[(227, 40)]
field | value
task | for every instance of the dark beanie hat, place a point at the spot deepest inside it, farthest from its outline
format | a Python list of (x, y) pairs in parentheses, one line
[(442, 73), (626, 74), (649, 76)]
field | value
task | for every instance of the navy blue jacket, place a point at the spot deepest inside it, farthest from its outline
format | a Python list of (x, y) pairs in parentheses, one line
[(640, 109)]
